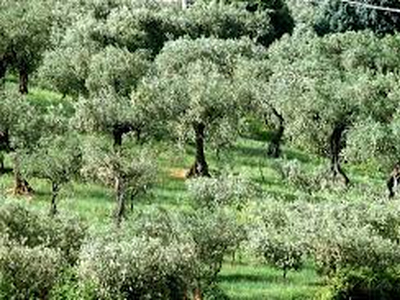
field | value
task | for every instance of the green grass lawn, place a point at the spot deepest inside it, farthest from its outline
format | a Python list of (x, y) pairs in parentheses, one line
[(255, 281)]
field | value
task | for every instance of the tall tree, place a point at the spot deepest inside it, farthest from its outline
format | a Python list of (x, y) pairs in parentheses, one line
[(113, 74), (194, 88)]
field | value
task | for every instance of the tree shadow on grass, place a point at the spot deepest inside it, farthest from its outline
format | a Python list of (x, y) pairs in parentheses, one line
[(297, 155), (6, 171), (261, 278)]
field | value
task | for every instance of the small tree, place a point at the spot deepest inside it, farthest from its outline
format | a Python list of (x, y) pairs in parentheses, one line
[(253, 77), (127, 172), (116, 68), (56, 159)]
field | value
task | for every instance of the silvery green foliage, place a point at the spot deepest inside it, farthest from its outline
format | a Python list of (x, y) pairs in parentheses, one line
[(229, 21), (274, 237), (293, 173), (211, 233), (34, 249), (21, 119), (202, 96), (66, 67), (214, 234), (65, 70), (160, 252), (223, 191), (225, 54), (117, 69), (137, 169), (57, 159), (103, 112), (26, 228), (138, 267), (335, 235), (194, 84), (158, 222), (329, 80), (26, 28), (373, 142), (28, 273)]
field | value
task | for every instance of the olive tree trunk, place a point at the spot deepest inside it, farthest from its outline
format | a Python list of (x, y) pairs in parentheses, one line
[(21, 186), (3, 71), (120, 193), (274, 147), (118, 132), (23, 80), (197, 295), (336, 140), (1, 163), (200, 167), (55, 188)]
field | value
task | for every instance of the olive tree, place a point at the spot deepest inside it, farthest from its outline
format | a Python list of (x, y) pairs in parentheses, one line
[(113, 74), (25, 27), (253, 77), (323, 87), (141, 26), (21, 126), (56, 159), (194, 88), (128, 172)]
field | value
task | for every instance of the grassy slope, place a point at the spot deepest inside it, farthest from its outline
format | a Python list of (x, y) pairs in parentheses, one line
[(240, 280)]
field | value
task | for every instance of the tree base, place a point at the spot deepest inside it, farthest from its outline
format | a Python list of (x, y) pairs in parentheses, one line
[(273, 151), (198, 170), (197, 294), (22, 188)]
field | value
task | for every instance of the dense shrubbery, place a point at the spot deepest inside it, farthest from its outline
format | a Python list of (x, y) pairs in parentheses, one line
[(354, 244), (28, 272), (31, 229), (160, 255), (224, 191), (139, 268), (34, 250)]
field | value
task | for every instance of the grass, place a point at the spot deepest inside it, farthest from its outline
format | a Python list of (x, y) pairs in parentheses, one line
[(243, 280), (257, 282)]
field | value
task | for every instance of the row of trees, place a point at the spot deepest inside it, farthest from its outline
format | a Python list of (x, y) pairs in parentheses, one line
[(122, 76), (97, 53)]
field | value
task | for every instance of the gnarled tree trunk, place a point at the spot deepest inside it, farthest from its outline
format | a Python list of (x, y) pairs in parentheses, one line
[(118, 132), (21, 186), (336, 140), (274, 148), (200, 167)]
